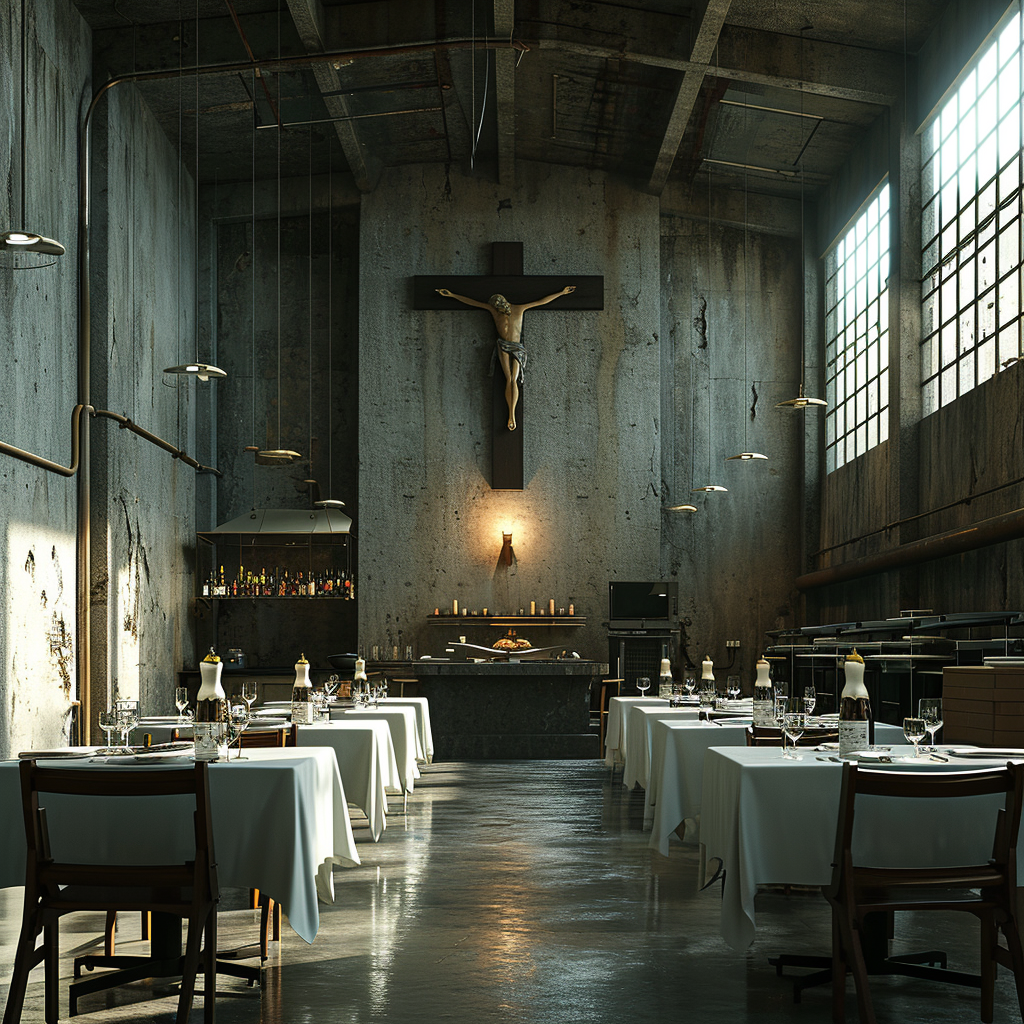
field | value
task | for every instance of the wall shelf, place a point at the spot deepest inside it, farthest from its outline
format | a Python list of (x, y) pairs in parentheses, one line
[(507, 620)]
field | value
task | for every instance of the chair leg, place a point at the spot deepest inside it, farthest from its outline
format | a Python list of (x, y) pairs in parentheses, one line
[(1013, 945), (189, 967), (210, 969), (858, 967), (51, 972), (265, 924), (109, 928), (147, 925), (25, 959), (838, 973), (989, 939)]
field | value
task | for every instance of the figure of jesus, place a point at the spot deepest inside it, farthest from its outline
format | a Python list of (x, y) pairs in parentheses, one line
[(508, 319)]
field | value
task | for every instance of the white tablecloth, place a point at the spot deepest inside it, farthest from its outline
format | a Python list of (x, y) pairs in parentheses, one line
[(677, 772), (422, 709), (366, 760), (771, 821), (404, 736), (673, 793), (615, 729), (280, 823)]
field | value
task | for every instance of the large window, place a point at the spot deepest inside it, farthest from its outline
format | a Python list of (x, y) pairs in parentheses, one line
[(971, 226), (857, 336)]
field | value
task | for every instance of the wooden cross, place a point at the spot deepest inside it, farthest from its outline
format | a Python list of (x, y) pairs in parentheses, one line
[(509, 280)]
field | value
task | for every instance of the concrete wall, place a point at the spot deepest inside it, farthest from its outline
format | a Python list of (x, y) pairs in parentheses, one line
[(429, 524), (737, 556), (144, 316), (38, 385)]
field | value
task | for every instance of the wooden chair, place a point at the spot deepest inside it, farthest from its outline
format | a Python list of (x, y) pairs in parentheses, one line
[(987, 890), (55, 888), (607, 686), (770, 736)]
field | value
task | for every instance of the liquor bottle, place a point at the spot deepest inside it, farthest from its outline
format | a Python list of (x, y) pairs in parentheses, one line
[(764, 703), (665, 679), (302, 694), (210, 728), (854, 708)]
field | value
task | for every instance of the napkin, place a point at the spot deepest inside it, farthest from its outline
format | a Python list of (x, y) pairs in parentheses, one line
[(987, 752)]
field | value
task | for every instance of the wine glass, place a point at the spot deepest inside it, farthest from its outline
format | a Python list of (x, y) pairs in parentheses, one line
[(781, 706), (330, 687), (127, 718), (733, 687), (914, 729), (707, 701), (108, 722), (691, 684), (238, 719), (643, 684), (810, 699), (930, 709), (181, 701), (249, 694), (793, 725)]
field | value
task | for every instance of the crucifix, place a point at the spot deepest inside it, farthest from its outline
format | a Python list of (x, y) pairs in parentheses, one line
[(519, 292)]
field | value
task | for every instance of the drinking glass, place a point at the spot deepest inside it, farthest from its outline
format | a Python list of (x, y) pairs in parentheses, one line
[(930, 709), (914, 729), (810, 700), (238, 719), (793, 725), (691, 684), (109, 723), (707, 701), (330, 687), (127, 718), (781, 705), (181, 701), (643, 684), (733, 687), (249, 693)]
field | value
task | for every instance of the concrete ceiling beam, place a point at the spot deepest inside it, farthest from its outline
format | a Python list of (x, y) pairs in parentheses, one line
[(308, 16), (712, 14)]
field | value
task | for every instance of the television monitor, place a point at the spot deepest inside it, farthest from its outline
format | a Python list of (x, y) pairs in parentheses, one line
[(647, 602)]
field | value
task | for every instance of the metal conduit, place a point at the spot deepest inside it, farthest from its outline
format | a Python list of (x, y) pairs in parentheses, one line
[(996, 530)]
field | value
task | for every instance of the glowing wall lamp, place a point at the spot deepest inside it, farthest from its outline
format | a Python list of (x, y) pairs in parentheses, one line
[(507, 554)]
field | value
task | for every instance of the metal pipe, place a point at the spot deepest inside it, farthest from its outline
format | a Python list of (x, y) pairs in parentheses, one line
[(39, 461), (996, 530)]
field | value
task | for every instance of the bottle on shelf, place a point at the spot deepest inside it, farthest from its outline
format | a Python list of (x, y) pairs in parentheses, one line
[(854, 708), (302, 694), (764, 702), (211, 722)]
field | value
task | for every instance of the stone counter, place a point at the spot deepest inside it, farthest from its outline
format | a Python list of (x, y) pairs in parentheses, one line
[(527, 710)]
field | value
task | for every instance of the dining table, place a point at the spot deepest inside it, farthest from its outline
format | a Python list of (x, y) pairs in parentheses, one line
[(280, 825), (640, 719), (673, 795), (425, 738), (366, 760), (768, 820), (615, 741), (401, 720)]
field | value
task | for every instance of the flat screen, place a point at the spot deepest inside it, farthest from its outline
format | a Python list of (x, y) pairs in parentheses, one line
[(648, 600)]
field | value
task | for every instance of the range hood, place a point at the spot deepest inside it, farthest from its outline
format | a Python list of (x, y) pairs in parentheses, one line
[(271, 521)]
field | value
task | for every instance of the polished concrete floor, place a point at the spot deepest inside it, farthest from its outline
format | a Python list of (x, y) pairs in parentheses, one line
[(525, 892)]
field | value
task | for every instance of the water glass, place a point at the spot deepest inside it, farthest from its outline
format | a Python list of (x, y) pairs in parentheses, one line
[(238, 719), (643, 684), (249, 693), (810, 700), (181, 701), (914, 729), (793, 725), (127, 718), (930, 709), (109, 723)]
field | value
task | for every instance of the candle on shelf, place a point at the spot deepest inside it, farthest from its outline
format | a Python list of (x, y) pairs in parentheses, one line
[(455, 607), (551, 607), (533, 607)]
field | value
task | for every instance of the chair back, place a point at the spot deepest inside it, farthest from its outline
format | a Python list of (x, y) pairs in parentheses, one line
[(264, 737), (771, 736), (914, 785), (49, 794)]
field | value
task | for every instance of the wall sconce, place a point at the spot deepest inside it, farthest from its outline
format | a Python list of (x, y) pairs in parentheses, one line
[(507, 554)]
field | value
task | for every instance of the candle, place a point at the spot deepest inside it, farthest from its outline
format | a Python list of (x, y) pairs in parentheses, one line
[(455, 607), (533, 607), (551, 607)]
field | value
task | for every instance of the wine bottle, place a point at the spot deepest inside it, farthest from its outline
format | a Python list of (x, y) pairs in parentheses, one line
[(764, 703), (302, 694), (210, 728), (854, 708)]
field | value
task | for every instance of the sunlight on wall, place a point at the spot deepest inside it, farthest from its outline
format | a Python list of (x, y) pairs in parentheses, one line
[(124, 635), (40, 599)]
